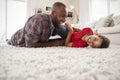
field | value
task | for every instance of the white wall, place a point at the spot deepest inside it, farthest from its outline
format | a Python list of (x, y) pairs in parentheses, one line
[(84, 14), (99, 8), (16, 13), (88, 11), (115, 7), (102, 8), (91, 10), (33, 4), (16, 16), (2, 19), (12, 17)]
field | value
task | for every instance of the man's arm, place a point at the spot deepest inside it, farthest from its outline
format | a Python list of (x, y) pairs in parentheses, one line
[(51, 42)]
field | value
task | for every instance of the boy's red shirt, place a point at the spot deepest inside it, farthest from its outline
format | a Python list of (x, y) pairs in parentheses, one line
[(77, 37)]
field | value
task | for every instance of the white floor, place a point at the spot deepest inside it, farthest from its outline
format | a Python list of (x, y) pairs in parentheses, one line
[(59, 63)]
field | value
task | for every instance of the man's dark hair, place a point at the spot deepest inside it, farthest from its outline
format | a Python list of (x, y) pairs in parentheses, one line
[(57, 5), (105, 42)]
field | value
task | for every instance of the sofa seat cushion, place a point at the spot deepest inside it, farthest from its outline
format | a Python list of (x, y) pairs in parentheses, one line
[(108, 30)]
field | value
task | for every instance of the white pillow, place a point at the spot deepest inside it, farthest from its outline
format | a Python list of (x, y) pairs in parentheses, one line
[(112, 24), (116, 19), (104, 22)]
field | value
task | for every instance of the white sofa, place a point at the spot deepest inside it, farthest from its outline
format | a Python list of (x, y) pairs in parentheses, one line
[(108, 26)]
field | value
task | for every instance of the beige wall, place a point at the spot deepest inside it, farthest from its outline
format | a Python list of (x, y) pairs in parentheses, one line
[(33, 4)]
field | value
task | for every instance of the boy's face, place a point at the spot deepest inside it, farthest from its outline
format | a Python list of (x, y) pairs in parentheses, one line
[(94, 41)]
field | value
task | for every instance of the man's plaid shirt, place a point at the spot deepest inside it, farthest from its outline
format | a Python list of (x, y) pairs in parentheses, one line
[(39, 27)]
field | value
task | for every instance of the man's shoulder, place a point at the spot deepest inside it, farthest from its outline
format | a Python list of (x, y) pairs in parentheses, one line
[(43, 15)]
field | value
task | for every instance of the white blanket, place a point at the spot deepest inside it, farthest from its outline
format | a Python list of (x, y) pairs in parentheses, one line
[(59, 63)]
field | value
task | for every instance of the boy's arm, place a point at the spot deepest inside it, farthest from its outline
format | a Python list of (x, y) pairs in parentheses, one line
[(68, 39), (76, 29)]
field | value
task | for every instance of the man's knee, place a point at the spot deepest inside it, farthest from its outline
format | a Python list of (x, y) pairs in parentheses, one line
[(62, 31)]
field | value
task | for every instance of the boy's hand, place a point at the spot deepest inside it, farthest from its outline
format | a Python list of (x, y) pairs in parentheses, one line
[(76, 29), (69, 27)]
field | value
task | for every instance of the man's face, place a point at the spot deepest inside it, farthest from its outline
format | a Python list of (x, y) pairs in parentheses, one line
[(59, 16), (94, 41)]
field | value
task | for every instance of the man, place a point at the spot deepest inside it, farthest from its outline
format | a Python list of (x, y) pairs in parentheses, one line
[(40, 27)]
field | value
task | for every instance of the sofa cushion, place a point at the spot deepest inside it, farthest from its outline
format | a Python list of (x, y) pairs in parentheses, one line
[(116, 20), (109, 30), (104, 22), (112, 24)]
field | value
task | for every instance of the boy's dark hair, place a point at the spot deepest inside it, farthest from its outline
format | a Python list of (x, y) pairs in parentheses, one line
[(57, 5), (105, 42)]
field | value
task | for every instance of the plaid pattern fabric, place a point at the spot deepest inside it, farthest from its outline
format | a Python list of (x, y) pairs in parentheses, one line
[(39, 27)]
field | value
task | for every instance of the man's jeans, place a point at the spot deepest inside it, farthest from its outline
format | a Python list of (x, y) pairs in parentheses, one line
[(62, 31), (9, 42)]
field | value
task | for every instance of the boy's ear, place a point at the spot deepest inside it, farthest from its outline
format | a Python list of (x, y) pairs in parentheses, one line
[(96, 32)]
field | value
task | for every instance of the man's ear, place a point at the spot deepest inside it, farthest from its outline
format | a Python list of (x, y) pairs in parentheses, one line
[(53, 13)]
